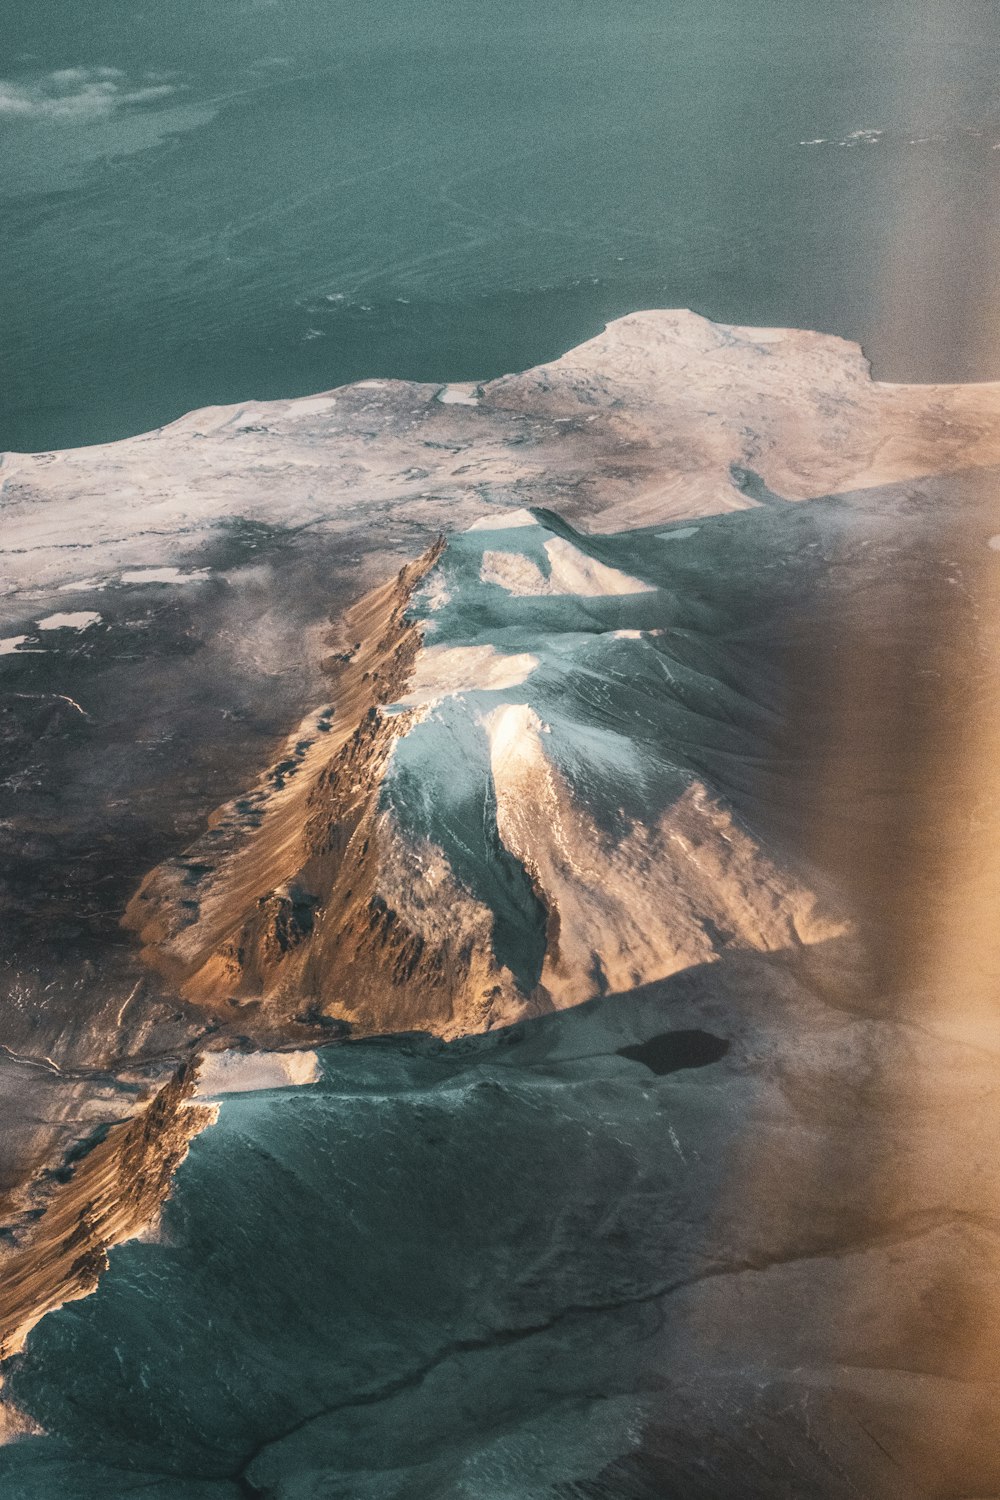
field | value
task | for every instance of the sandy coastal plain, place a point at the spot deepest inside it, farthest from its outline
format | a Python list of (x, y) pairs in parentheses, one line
[(640, 708)]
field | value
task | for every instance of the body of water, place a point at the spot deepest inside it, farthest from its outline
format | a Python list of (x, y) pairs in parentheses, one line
[(202, 204)]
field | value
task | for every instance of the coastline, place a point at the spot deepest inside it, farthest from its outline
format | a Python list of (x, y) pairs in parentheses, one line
[(227, 558)]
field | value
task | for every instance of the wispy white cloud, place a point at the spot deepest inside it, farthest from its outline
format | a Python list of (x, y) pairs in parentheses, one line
[(80, 93)]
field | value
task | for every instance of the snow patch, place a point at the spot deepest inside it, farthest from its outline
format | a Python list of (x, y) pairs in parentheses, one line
[(311, 406), (504, 520), (458, 395), (514, 572), (246, 1072), (437, 594), (571, 572), (513, 733), (82, 620), (445, 671), (166, 575)]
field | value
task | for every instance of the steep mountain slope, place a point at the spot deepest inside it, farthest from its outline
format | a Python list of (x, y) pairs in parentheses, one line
[(496, 817)]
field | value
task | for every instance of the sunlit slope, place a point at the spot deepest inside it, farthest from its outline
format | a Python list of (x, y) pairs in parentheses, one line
[(520, 797)]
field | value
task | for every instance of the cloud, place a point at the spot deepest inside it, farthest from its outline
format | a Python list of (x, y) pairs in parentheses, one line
[(79, 94)]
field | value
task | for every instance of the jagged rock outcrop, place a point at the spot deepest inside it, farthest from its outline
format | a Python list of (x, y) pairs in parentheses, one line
[(280, 909), (111, 1193)]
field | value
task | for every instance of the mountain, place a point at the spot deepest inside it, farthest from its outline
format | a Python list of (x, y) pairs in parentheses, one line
[(504, 812)]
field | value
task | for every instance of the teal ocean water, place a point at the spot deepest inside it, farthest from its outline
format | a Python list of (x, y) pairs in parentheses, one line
[(202, 203)]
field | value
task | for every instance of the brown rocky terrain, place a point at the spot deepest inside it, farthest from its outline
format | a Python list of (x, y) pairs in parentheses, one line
[(113, 1192)]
